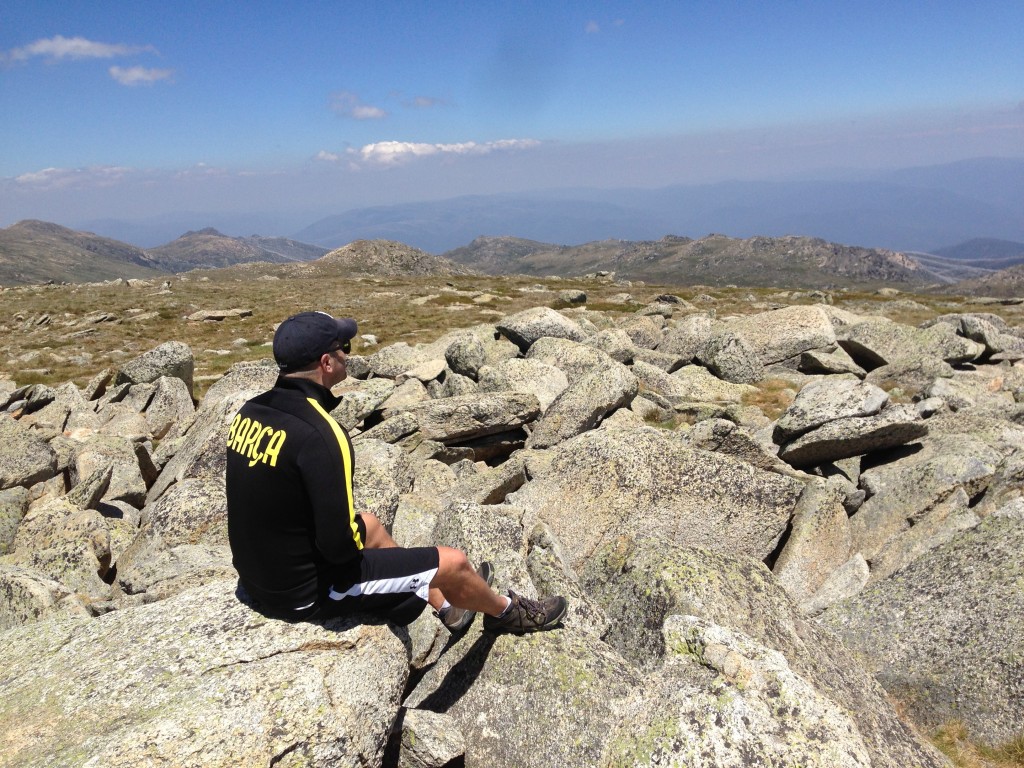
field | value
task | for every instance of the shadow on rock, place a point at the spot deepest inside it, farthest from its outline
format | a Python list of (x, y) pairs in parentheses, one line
[(461, 676)]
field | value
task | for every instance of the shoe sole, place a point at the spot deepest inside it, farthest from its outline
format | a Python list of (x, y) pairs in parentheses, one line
[(486, 572)]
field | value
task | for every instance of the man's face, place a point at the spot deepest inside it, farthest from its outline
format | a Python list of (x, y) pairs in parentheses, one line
[(339, 368)]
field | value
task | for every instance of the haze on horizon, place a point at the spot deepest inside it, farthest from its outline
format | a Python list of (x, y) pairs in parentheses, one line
[(129, 111)]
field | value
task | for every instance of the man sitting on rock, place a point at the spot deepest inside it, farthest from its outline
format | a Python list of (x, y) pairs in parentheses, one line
[(300, 548)]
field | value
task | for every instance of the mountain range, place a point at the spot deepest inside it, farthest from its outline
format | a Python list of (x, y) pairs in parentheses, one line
[(716, 259), (911, 209), (33, 252), (39, 251), (209, 248)]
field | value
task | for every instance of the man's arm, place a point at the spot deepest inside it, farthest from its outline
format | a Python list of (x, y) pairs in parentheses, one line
[(326, 470)]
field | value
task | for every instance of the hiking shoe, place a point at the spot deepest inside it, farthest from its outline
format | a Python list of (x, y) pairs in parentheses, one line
[(457, 619), (526, 615)]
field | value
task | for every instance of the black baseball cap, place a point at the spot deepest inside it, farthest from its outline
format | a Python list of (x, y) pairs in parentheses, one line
[(304, 337)]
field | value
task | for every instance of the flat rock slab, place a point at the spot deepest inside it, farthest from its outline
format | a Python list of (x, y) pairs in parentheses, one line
[(944, 634), (576, 360), (518, 374), (27, 595), (198, 680), (583, 404), (722, 697), (695, 384), (13, 506), (396, 359), (602, 483), (730, 357), (547, 699), (476, 415), (784, 333), (829, 399), (701, 625), (359, 401), (819, 542), (855, 436), (686, 338), (816, 361), (879, 341), (243, 377), (217, 315), (904, 491), (172, 358)]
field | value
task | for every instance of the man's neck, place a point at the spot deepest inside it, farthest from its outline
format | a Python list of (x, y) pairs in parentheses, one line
[(314, 376)]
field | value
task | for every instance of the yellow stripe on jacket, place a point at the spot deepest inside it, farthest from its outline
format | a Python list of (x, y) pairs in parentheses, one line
[(346, 457)]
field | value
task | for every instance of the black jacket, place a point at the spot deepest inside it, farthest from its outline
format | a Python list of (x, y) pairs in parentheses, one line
[(289, 491)]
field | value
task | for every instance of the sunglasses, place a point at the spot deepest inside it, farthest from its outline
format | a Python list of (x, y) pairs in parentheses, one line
[(344, 346)]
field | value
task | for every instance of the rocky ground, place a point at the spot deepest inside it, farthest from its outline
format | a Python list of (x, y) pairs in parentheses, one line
[(817, 578)]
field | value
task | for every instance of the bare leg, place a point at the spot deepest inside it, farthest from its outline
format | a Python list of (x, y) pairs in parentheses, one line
[(377, 536), (436, 598), (460, 583), (456, 580)]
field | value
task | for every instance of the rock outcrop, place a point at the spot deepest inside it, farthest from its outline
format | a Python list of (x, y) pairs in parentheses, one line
[(943, 634), (199, 680), (730, 571)]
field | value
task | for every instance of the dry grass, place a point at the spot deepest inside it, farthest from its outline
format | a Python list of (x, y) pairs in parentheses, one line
[(52, 334), (670, 424), (897, 394), (773, 396), (57, 333), (953, 741)]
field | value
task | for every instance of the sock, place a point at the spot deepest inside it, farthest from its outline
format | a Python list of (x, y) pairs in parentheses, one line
[(443, 610), (507, 607)]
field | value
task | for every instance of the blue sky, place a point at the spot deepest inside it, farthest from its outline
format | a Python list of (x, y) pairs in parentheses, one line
[(130, 110)]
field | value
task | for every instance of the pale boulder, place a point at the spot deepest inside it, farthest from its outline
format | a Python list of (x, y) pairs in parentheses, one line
[(199, 680)]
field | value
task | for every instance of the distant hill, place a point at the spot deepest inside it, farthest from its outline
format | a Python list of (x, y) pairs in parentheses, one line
[(917, 209), (994, 181), (1005, 283), (208, 248), (289, 250), (381, 258), (949, 270), (159, 229), (713, 260), (38, 251), (440, 225), (984, 248), (498, 255)]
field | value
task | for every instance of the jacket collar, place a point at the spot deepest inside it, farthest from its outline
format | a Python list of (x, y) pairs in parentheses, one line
[(308, 388)]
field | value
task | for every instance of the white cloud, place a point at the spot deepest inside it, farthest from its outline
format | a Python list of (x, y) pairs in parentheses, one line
[(349, 104), (201, 170), (366, 112), (41, 177), (60, 47), (425, 102), (395, 152), (592, 27), (64, 178), (139, 75), (327, 157)]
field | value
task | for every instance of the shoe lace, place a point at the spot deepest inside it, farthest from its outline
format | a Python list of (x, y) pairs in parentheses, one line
[(533, 609)]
